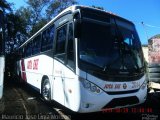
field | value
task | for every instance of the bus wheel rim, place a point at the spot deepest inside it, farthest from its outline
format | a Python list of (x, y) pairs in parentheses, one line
[(46, 91)]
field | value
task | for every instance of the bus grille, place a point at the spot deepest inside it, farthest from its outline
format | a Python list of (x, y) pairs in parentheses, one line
[(122, 102), (122, 92)]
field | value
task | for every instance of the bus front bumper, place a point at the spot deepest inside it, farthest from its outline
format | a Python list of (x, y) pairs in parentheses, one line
[(91, 102)]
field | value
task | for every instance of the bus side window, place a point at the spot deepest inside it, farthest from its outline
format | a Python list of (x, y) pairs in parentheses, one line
[(28, 49), (47, 39), (36, 45), (60, 42), (70, 48)]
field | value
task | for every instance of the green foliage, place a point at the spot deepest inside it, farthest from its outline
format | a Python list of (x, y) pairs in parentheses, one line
[(36, 8), (25, 15), (56, 6), (37, 26), (157, 36), (39, 12)]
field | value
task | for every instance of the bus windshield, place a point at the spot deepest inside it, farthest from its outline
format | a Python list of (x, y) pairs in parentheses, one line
[(111, 46)]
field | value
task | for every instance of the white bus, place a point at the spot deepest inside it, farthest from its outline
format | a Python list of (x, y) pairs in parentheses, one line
[(87, 60), (2, 54)]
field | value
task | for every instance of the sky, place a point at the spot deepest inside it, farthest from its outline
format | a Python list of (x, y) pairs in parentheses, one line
[(137, 11)]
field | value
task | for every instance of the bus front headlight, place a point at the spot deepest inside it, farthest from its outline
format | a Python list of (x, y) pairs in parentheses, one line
[(90, 86)]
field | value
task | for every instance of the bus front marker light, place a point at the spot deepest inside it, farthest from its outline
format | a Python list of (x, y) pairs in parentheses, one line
[(86, 105), (98, 91), (93, 88)]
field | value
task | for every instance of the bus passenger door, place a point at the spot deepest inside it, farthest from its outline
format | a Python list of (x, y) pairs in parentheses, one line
[(59, 62), (71, 94), (64, 68)]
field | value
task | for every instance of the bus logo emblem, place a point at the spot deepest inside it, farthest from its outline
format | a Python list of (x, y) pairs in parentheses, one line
[(124, 85)]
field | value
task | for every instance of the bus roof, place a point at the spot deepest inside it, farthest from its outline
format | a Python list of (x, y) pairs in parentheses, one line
[(72, 10)]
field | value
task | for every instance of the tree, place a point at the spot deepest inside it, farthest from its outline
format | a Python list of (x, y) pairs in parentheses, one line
[(57, 6), (16, 30), (15, 27), (37, 6), (25, 14), (39, 12), (4, 5), (39, 25), (155, 36)]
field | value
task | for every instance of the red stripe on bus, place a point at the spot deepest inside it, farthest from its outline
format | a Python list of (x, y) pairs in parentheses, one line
[(23, 74)]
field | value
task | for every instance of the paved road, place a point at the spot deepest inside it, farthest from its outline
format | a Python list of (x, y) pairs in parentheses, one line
[(22, 102)]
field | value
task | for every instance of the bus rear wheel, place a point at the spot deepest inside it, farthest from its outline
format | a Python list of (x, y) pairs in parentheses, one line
[(46, 90)]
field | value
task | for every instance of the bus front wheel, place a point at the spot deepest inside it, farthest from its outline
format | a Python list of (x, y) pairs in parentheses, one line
[(46, 90)]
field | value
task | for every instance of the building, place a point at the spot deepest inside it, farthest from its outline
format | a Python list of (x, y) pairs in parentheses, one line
[(145, 52)]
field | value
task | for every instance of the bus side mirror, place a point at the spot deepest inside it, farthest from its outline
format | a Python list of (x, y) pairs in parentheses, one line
[(77, 28)]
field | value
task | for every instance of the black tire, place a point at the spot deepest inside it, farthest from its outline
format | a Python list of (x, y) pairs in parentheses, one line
[(46, 90)]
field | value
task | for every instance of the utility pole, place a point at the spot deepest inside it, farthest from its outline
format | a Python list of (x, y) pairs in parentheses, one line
[(145, 29)]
